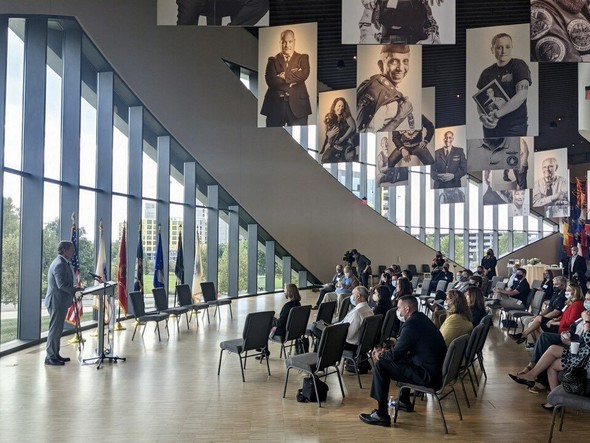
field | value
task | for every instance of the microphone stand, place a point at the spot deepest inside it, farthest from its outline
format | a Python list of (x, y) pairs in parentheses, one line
[(100, 350)]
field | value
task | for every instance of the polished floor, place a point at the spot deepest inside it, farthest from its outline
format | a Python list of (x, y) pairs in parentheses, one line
[(170, 391)]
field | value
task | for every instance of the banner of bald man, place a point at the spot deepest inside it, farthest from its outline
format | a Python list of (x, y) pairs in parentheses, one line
[(287, 92), (389, 88), (501, 83), (551, 187), (338, 139), (560, 31), (213, 12), (415, 22), (449, 171)]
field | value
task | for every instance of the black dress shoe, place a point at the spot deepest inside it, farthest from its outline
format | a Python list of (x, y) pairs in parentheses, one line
[(375, 419), (522, 381), (516, 336), (64, 359), (54, 362), (521, 340), (547, 407)]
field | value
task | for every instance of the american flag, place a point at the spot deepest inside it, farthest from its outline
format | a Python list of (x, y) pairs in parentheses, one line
[(75, 264), (138, 284)]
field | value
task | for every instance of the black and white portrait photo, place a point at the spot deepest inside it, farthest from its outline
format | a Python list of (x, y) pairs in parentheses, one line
[(560, 31), (491, 195), (450, 164), (551, 187), (338, 139), (415, 22), (520, 204), (389, 88), (213, 12), (502, 82), (493, 153), (387, 175), (520, 177), (416, 147), (288, 57)]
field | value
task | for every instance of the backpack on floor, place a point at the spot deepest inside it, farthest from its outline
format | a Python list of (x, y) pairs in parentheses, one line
[(307, 393)]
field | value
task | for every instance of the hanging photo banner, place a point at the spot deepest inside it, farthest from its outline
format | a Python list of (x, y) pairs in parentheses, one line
[(561, 208), (520, 203), (502, 85), (450, 164), (213, 13), (415, 22), (338, 139), (551, 187), (288, 89), (560, 31), (388, 175), (520, 177), (389, 88), (493, 153)]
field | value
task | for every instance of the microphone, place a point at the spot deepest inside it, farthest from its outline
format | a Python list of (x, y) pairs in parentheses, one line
[(95, 276)]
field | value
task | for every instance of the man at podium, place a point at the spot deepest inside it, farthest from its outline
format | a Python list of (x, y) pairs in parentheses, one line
[(60, 293)]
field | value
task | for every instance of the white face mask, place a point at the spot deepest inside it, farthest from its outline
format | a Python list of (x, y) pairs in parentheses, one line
[(400, 317), (568, 295), (376, 298), (446, 306)]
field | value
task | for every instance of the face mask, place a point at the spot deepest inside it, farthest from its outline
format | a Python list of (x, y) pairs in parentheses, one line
[(518, 277), (375, 298), (394, 283), (459, 276), (347, 275), (400, 317), (446, 306), (587, 305), (463, 278), (472, 285), (568, 295)]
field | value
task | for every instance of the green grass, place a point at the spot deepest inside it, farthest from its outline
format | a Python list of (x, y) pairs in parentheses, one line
[(8, 328)]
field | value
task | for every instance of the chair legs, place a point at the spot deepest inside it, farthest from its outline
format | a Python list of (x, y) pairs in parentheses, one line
[(219, 366), (442, 414), (242, 366), (135, 330), (286, 379), (559, 409)]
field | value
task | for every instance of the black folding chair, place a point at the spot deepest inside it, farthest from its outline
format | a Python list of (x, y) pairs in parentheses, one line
[(370, 329), (212, 298), (161, 301), (295, 329), (185, 299), (141, 318)]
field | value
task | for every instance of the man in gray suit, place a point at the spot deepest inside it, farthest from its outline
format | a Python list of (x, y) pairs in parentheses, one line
[(60, 293)]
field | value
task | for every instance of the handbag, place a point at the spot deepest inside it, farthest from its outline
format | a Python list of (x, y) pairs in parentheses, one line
[(574, 379)]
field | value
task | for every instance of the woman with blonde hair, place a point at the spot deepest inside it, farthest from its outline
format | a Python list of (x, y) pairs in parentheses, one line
[(458, 321)]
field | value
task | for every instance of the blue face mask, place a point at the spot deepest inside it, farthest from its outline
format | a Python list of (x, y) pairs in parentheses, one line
[(352, 301), (587, 305)]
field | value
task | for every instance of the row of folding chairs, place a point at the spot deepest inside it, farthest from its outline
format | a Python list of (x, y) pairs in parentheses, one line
[(163, 312)]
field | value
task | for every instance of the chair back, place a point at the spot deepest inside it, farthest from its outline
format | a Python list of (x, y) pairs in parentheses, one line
[(209, 292), (442, 285), (414, 282), (326, 311), (160, 298), (331, 345), (388, 324), (487, 322), (137, 303), (423, 290), (256, 330), (537, 302), (500, 284), (370, 332), (536, 284), (381, 269), (185, 297), (425, 269), (344, 308), (495, 279), (413, 269), (297, 322), (530, 297), (474, 339), (453, 359)]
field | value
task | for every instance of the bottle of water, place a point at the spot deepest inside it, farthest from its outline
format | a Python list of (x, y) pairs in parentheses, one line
[(391, 406)]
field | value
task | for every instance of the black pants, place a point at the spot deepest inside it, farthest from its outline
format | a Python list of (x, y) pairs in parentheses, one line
[(284, 116), (242, 12), (385, 370), (423, 155), (323, 292)]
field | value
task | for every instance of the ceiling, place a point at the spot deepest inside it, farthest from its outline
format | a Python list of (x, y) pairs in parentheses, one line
[(444, 66)]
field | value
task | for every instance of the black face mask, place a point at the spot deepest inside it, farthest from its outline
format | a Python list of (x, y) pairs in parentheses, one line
[(518, 277)]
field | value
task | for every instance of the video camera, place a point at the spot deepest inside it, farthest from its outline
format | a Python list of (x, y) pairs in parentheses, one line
[(348, 257)]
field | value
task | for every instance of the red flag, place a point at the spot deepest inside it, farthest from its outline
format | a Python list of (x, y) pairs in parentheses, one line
[(74, 313), (122, 274)]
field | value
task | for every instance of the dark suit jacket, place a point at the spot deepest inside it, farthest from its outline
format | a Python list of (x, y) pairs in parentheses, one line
[(421, 344), (579, 266), (284, 315), (455, 163), (296, 74), (60, 284)]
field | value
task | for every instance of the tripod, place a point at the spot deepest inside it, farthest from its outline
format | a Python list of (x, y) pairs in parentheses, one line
[(100, 350)]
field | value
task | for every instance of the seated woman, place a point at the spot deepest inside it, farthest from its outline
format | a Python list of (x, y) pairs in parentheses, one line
[(402, 287), (547, 322), (458, 320), (557, 359), (382, 299), (547, 284), (280, 324), (476, 304), (386, 281)]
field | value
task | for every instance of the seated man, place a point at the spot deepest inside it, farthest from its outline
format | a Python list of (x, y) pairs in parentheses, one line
[(463, 281), (516, 296), (417, 357), (551, 312), (330, 287), (344, 288), (440, 274)]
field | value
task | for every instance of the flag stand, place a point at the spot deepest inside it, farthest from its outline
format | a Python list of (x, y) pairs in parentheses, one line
[(119, 326)]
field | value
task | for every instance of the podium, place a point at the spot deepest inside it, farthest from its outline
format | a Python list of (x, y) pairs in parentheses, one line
[(106, 298)]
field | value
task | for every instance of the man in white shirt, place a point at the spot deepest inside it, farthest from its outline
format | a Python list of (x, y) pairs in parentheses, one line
[(355, 318)]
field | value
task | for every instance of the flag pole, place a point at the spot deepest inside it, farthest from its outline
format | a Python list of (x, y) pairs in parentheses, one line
[(119, 326), (77, 338)]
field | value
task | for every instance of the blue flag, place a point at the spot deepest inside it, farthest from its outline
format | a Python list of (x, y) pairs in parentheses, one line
[(159, 270)]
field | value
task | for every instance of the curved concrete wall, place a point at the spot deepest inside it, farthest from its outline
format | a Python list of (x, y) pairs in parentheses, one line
[(180, 76)]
